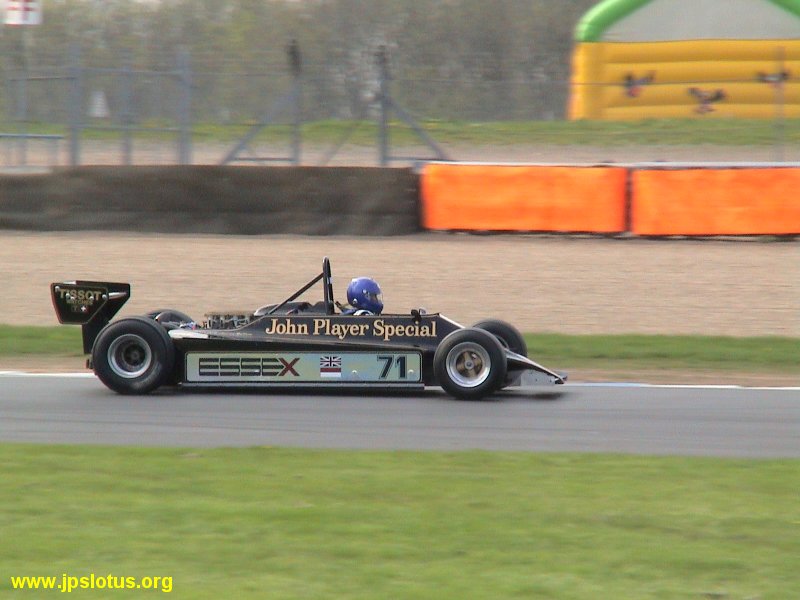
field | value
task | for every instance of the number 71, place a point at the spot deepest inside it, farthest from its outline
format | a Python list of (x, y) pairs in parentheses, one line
[(387, 361)]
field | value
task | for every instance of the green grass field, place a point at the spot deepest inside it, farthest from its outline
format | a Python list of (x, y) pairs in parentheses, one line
[(277, 523), (608, 352)]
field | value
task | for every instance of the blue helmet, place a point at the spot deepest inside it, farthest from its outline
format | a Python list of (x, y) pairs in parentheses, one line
[(364, 293)]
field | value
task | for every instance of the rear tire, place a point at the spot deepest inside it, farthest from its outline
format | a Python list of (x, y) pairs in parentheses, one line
[(133, 356), (470, 364), (169, 317)]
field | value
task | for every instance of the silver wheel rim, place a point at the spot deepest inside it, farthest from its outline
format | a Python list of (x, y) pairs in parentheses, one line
[(129, 356), (468, 364)]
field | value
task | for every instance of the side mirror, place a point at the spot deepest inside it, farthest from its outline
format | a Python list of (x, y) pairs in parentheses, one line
[(416, 314)]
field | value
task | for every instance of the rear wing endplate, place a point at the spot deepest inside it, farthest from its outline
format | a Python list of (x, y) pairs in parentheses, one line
[(91, 304)]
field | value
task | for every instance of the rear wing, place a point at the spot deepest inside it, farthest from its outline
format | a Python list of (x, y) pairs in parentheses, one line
[(91, 304)]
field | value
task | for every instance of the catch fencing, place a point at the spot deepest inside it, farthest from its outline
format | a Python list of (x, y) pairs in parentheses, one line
[(75, 110)]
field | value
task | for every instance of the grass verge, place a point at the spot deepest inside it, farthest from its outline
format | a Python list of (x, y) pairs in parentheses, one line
[(775, 355), (716, 131), (21, 340), (280, 523)]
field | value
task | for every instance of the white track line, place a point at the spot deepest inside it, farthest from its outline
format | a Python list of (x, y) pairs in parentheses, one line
[(682, 386), (619, 384), (30, 374)]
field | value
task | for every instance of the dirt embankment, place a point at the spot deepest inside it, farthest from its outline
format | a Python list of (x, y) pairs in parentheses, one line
[(545, 284)]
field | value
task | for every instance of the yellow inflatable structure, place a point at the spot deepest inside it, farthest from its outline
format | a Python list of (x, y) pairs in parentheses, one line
[(640, 59)]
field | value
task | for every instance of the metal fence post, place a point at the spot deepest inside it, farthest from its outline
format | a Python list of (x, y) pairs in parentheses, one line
[(22, 97), (185, 108), (126, 111), (296, 68), (75, 102), (383, 123), (297, 125), (387, 103), (290, 101), (22, 115)]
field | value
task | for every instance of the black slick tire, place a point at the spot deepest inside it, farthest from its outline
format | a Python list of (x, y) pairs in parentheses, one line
[(508, 335), (133, 355), (470, 364), (169, 317)]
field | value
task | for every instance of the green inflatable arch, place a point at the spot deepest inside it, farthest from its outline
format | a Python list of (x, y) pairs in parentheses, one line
[(603, 15)]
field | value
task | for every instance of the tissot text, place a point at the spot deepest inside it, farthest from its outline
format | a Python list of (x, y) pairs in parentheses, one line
[(80, 296)]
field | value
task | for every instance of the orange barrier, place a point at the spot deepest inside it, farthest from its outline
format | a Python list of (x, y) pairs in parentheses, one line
[(716, 202), (523, 198)]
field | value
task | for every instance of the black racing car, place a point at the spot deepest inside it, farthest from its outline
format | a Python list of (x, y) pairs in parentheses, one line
[(293, 344)]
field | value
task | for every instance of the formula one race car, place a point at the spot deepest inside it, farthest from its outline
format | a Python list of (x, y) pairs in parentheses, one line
[(293, 344)]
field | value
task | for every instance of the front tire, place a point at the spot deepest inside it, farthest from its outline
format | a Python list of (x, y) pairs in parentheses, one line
[(470, 364), (508, 335), (133, 356)]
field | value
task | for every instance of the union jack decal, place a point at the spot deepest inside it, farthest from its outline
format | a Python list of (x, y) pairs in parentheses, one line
[(330, 366), (23, 12)]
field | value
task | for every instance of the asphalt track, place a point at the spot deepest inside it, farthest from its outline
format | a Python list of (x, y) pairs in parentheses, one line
[(638, 419)]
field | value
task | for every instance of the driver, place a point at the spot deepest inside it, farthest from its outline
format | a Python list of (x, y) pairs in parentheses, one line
[(364, 296)]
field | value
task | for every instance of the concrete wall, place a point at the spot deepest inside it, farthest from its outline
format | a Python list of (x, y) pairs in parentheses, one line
[(211, 199)]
